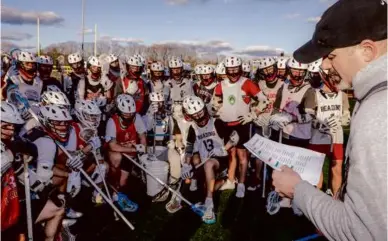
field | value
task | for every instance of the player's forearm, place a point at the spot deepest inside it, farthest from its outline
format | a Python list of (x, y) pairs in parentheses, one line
[(119, 148)]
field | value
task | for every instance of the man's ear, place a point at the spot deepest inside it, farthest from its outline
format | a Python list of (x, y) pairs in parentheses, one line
[(369, 50)]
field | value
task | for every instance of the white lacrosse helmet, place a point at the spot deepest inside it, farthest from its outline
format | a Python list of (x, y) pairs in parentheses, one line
[(282, 62), (142, 59), (220, 69), (266, 62), (193, 105), (314, 67), (187, 66), (6, 157), (175, 63), (25, 56), (132, 88), (232, 61), (292, 63), (135, 61), (53, 88), (207, 69), (198, 68), (94, 61), (10, 114), (246, 67), (88, 113), (156, 97), (55, 113), (74, 58), (111, 58), (55, 98), (157, 66), (126, 104), (106, 83), (44, 59)]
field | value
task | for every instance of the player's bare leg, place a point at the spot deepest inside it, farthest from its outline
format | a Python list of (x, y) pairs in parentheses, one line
[(336, 171), (229, 184), (114, 170), (243, 166), (210, 167), (53, 216)]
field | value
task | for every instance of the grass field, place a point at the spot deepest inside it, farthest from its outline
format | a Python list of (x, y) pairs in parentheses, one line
[(240, 220)]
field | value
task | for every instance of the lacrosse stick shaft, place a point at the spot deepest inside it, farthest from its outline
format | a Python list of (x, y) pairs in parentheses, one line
[(153, 147), (265, 165), (104, 182), (28, 199), (88, 178), (158, 180)]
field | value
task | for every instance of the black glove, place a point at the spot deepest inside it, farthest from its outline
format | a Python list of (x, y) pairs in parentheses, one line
[(25, 147)]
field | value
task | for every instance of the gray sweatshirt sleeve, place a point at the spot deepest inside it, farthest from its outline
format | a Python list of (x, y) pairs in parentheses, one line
[(363, 214)]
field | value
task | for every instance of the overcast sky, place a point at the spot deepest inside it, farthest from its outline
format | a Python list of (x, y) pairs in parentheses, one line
[(242, 26)]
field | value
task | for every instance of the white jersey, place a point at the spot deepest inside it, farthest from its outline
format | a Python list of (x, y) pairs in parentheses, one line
[(271, 94), (31, 91), (328, 105), (291, 99), (233, 104), (208, 139), (179, 91), (162, 127)]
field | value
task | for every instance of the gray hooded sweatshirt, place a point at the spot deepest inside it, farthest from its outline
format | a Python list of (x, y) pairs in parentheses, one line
[(363, 213)]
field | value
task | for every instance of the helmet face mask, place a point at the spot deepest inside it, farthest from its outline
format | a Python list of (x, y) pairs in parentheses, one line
[(28, 70), (176, 73), (201, 117), (134, 71), (296, 76), (315, 79), (269, 73), (45, 70), (207, 79), (60, 130), (78, 67), (234, 73), (8, 130), (95, 72)]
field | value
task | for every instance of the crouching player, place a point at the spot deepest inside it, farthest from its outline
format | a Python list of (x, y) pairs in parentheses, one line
[(124, 130), (209, 135)]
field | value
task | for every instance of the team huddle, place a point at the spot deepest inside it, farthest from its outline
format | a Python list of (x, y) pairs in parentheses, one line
[(110, 115)]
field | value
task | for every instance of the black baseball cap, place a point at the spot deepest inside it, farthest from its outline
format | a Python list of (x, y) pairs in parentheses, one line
[(345, 23)]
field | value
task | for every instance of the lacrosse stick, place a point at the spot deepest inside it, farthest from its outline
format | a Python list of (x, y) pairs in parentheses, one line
[(198, 209), (273, 199), (265, 165), (310, 237), (17, 98), (28, 198)]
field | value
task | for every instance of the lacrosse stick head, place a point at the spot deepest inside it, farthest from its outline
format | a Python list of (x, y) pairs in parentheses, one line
[(199, 209), (87, 133), (273, 205)]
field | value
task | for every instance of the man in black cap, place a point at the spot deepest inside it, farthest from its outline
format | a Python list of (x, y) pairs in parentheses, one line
[(352, 38)]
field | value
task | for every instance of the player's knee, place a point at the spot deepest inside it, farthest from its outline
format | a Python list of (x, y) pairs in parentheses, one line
[(115, 159)]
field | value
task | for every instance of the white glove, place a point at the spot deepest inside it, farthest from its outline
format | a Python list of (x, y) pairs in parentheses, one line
[(186, 171), (234, 138), (75, 163), (143, 159), (345, 120), (140, 148), (332, 123), (262, 120), (261, 96), (245, 119), (73, 183), (280, 120), (95, 142)]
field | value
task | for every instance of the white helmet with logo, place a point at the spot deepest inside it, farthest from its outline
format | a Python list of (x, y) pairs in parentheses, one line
[(44, 59), (94, 61), (55, 113), (282, 62), (158, 66), (25, 56), (198, 68), (292, 63), (266, 62), (135, 61), (175, 63), (246, 67), (314, 67), (156, 97), (88, 113), (232, 61), (193, 104), (126, 104), (10, 114), (207, 69), (111, 58), (55, 98), (142, 59), (220, 69), (74, 58)]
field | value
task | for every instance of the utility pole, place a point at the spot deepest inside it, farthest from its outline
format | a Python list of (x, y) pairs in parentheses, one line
[(83, 27), (38, 36), (95, 39)]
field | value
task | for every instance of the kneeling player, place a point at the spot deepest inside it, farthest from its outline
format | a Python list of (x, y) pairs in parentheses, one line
[(209, 134)]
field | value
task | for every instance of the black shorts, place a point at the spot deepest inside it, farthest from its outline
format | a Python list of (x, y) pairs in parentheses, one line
[(243, 132), (223, 162)]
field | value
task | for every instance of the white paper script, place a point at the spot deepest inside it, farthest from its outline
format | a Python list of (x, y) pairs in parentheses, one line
[(308, 164)]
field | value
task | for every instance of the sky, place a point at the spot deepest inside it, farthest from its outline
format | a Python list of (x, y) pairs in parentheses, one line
[(250, 27)]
